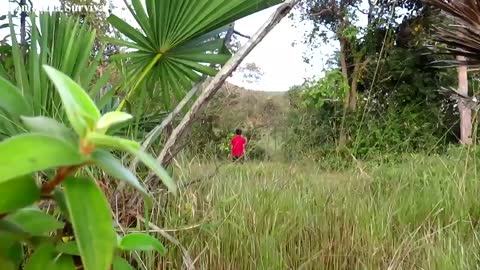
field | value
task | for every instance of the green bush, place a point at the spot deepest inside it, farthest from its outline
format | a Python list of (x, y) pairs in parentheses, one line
[(371, 136), (28, 158), (403, 112)]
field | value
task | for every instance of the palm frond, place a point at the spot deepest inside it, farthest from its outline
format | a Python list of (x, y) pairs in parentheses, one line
[(461, 34), (178, 40)]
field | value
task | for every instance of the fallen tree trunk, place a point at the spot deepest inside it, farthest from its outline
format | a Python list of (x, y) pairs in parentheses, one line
[(215, 84)]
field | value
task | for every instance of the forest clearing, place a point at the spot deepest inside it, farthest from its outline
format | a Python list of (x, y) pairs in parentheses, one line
[(131, 138), (415, 211)]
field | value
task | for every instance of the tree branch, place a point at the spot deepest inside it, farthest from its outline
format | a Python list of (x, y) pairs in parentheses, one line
[(321, 12), (62, 173), (240, 34)]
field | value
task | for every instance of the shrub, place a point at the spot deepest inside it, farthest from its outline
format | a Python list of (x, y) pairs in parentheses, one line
[(28, 158), (401, 113)]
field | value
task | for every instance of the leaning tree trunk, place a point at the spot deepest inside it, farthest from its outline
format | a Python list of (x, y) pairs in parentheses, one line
[(214, 85), (465, 111), (357, 70)]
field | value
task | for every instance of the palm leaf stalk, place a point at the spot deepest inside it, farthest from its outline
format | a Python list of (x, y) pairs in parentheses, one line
[(177, 41)]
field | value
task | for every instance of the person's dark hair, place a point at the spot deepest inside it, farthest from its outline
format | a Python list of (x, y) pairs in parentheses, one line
[(238, 131)]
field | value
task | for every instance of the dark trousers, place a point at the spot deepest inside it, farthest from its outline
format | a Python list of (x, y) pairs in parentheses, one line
[(237, 158)]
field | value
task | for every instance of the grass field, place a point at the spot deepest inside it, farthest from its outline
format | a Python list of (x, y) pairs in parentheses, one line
[(419, 214)]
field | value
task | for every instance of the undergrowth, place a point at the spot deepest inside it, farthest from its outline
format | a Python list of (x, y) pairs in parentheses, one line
[(421, 213)]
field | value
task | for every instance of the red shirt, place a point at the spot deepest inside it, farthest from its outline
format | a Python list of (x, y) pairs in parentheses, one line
[(238, 146)]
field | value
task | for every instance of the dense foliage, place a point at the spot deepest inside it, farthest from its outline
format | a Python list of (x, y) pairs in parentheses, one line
[(400, 108), (54, 152)]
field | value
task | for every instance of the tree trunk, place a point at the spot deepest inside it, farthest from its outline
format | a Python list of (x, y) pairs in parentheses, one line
[(342, 141), (465, 111), (344, 66), (215, 84), (352, 104), (351, 98)]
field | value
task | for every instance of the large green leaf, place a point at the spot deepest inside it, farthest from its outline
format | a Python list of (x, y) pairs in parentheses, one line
[(12, 100), (153, 165), (44, 124), (111, 118), (59, 197), (11, 251), (113, 167), (81, 110), (141, 242), (186, 34), (27, 153), (35, 221), (7, 264), (49, 126), (64, 262), (134, 149), (10, 190), (42, 257), (121, 264), (11, 230), (69, 248), (46, 257), (92, 222), (112, 142)]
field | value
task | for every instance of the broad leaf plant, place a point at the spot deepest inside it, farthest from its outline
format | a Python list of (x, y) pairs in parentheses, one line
[(51, 146)]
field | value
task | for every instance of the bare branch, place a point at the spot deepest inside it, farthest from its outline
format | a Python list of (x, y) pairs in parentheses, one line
[(321, 12), (240, 34)]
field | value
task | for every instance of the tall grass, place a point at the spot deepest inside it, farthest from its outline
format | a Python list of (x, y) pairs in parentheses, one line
[(420, 214)]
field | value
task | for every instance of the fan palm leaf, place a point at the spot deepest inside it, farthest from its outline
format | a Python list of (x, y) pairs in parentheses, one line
[(178, 40), (462, 35)]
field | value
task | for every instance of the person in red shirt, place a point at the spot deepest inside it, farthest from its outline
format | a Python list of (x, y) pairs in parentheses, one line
[(238, 145)]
